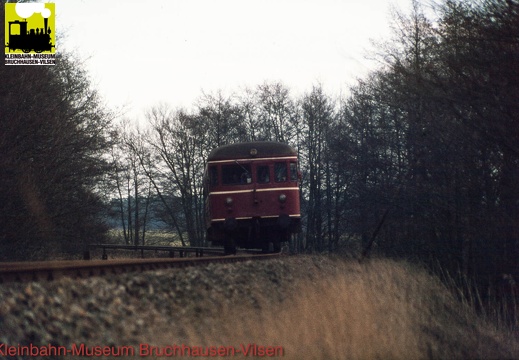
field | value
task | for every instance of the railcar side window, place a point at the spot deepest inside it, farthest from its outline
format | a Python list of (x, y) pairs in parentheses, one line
[(213, 175), (263, 175), (236, 174), (280, 172), (293, 171)]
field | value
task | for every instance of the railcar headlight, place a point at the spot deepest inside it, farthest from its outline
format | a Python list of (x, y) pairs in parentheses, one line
[(228, 201), (282, 198)]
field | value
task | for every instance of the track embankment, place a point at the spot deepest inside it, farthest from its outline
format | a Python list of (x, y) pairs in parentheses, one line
[(307, 307)]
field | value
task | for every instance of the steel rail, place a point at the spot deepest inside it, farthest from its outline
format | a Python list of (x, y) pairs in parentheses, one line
[(51, 270)]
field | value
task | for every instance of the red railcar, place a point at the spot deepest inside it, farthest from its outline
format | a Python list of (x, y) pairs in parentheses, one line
[(252, 195)]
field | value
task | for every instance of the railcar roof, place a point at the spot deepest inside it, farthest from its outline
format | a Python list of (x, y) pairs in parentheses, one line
[(243, 150)]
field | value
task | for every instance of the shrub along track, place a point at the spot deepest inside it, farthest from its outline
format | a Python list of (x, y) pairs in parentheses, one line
[(50, 270)]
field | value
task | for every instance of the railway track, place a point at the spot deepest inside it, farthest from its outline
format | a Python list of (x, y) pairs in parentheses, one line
[(50, 270)]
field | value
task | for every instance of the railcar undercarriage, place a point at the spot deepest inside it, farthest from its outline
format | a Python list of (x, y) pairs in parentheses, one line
[(256, 233)]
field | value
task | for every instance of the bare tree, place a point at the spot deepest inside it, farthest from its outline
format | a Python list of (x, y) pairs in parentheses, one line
[(276, 112), (177, 169), (317, 114), (131, 184), (222, 118)]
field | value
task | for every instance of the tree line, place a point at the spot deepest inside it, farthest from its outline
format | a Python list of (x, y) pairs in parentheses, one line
[(52, 146), (419, 160)]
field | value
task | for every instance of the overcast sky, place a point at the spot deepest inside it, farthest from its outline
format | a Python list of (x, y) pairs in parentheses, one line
[(141, 53)]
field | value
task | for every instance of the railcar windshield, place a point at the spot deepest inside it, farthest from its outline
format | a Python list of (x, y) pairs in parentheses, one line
[(293, 171), (280, 172), (263, 174), (236, 174), (213, 176)]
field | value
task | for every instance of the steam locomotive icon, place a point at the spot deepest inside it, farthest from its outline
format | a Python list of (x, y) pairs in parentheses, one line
[(28, 40)]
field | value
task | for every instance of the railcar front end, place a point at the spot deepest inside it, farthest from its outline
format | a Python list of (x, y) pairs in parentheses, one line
[(252, 195)]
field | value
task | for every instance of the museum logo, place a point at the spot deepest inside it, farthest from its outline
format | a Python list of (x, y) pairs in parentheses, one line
[(30, 35)]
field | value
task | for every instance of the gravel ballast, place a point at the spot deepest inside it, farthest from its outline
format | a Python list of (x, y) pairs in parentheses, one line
[(133, 308)]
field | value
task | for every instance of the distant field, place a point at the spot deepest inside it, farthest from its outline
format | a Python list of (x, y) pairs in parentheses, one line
[(152, 237)]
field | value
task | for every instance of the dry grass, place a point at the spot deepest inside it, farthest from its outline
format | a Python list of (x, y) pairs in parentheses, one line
[(378, 310)]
